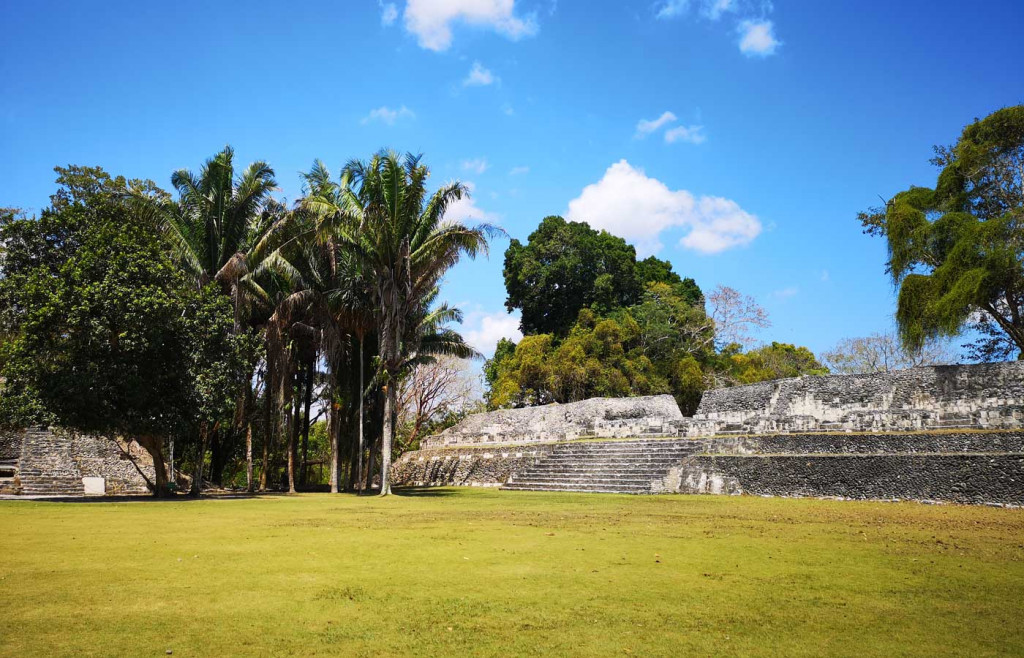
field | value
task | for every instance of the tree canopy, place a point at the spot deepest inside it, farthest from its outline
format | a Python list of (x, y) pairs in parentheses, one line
[(956, 251), (565, 267)]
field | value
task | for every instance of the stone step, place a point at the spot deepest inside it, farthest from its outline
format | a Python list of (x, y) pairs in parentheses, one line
[(609, 482), (609, 463), (570, 488)]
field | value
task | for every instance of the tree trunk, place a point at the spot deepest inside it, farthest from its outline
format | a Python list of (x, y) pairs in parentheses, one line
[(333, 421), (248, 458), (268, 426), (293, 431), (310, 374), (362, 397), (390, 400), (154, 446), (197, 479)]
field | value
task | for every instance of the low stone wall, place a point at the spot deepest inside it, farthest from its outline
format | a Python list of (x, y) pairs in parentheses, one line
[(974, 479), (487, 467), (860, 444), (656, 415), (962, 467)]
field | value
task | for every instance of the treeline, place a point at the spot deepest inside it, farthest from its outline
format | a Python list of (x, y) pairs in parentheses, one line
[(598, 322), (215, 324)]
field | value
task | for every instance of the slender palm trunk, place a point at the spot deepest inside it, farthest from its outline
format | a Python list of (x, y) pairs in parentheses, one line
[(390, 401), (361, 485), (293, 431), (268, 422), (333, 422), (310, 374)]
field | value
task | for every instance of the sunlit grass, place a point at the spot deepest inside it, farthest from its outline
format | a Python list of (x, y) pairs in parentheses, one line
[(484, 572)]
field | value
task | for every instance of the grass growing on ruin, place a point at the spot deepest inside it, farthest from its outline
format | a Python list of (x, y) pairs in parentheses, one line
[(483, 572)]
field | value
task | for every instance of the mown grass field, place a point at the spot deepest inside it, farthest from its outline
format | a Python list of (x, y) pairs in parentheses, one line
[(483, 572)]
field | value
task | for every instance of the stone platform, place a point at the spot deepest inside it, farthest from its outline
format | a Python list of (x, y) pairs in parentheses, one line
[(975, 467)]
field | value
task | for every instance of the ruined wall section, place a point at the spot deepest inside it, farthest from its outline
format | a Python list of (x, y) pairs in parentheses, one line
[(477, 467), (973, 467), (650, 416), (54, 461), (983, 396)]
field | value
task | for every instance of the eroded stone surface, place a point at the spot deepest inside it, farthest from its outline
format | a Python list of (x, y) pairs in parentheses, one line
[(656, 415)]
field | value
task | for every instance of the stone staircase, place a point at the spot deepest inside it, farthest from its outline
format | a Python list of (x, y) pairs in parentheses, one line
[(47, 466), (636, 467)]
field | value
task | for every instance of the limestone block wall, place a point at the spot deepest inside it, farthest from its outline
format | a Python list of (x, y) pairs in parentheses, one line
[(488, 467), (965, 478), (942, 397), (54, 461), (964, 467), (656, 415)]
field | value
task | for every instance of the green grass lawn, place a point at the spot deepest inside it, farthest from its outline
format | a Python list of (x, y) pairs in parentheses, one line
[(483, 572)]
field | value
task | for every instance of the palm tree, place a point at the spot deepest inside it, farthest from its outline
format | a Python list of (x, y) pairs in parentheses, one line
[(399, 235), (213, 229)]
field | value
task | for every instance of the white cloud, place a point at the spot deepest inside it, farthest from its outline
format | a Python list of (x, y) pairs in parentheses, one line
[(757, 38), (385, 114), (479, 76), (431, 20), (647, 126), (672, 8), (628, 203), (691, 134), (508, 110), (824, 275), (518, 171), (388, 13), (476, 165), (466, 211), (713, 9), (484, 330)]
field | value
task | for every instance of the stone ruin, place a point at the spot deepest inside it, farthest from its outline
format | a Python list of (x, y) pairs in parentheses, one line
[(45, 462), (983, 396), (948, 433)]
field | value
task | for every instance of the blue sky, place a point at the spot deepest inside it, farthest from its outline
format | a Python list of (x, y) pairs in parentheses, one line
[(736, 139)]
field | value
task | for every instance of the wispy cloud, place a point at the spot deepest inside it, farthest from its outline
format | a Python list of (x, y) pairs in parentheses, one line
[(475, 165), (518, 171), (645, 127), (479, 76), (388, 13), (757, 32), (691, 134), (757, 38), (385, 114), (786, 293)]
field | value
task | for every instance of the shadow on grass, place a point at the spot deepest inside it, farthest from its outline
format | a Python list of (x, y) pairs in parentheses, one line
[(143, 498), (423, 492)]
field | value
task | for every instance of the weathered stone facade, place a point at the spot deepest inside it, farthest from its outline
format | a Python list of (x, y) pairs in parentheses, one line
[(983, 396), (952, 433), (476, 467), (43, 462), (656, 415)]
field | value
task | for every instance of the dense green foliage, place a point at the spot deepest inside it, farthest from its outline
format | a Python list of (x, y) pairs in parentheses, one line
[(956, 252), (108, 338), (597, 322), (477, 572), (567, 266), (221, 321)]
